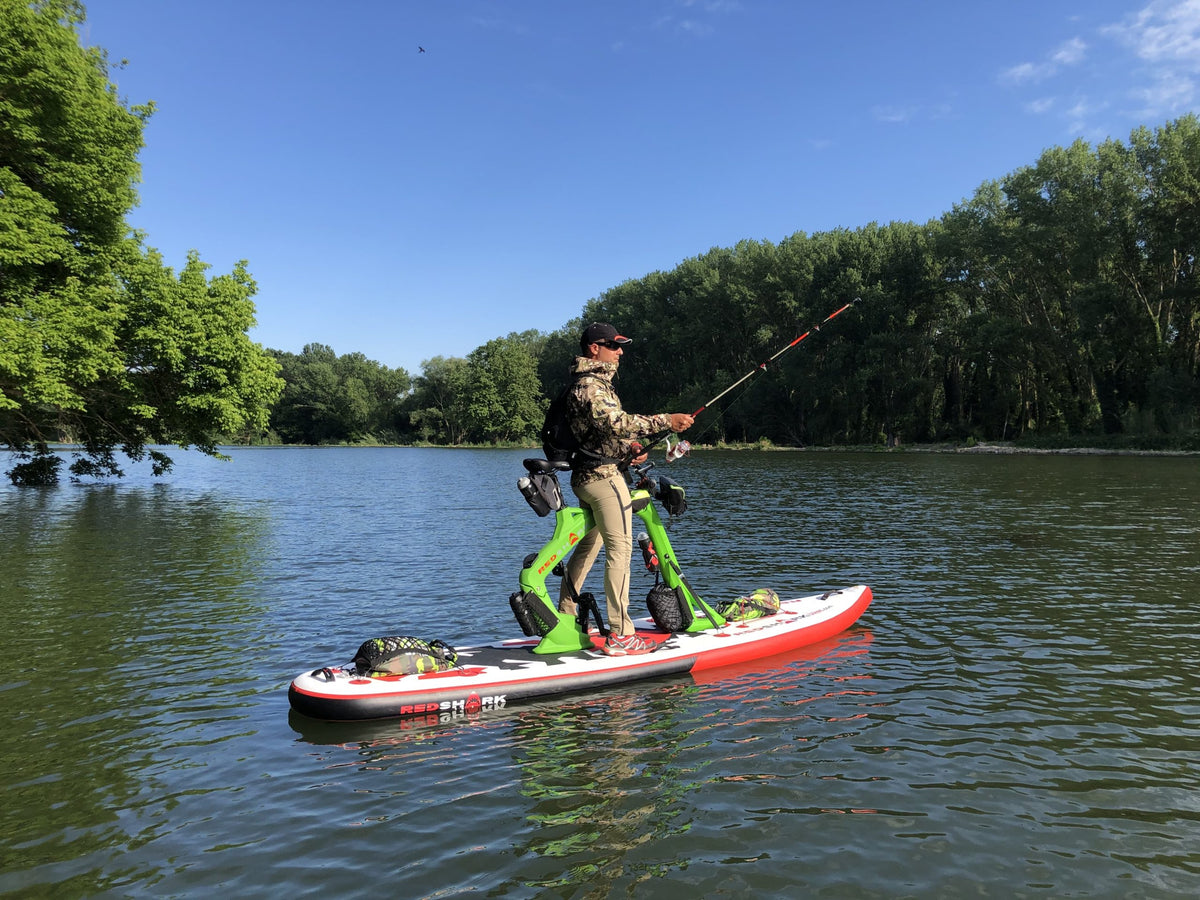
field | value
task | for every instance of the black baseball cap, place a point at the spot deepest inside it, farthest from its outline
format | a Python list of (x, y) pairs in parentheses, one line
[(599, 333)]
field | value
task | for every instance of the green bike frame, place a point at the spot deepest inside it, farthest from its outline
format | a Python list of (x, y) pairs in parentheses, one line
[(571, 523)]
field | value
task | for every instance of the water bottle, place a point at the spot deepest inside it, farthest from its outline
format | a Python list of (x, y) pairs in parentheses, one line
[(649, 555), (533, 496)]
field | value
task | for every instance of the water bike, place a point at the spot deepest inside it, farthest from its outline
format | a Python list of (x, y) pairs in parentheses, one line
[(409, 677)]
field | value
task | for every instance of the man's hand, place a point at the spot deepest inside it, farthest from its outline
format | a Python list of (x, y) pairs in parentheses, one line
[(681, 422), (639, 455)]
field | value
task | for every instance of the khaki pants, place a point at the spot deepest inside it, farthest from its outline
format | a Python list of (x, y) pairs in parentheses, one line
[(611, 508)]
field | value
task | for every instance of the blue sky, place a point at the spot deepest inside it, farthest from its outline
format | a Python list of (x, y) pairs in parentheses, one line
[(408, 204)]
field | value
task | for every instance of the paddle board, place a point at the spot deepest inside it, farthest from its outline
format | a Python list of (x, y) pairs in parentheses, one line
[(503, 674)]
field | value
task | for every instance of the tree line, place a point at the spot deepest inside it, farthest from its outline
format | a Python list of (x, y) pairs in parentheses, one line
[(1058, 302), (101, 344)]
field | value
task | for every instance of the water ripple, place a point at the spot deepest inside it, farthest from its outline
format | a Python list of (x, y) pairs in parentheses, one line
[(1014, 716)]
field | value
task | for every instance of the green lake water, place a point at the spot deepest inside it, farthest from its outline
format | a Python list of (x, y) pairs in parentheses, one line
[(1016, 715)]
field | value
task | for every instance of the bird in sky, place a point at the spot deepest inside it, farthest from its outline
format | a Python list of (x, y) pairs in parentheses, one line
[(420, 49)]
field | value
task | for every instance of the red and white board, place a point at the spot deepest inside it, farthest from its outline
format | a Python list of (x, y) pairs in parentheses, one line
[(494, 676)]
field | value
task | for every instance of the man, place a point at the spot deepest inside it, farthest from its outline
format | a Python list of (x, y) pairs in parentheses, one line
[(606, 432)]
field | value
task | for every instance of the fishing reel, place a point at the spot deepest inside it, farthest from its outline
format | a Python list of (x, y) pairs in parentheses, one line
[(678, 450)]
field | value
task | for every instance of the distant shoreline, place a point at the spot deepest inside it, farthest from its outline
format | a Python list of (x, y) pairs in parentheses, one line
[(1070, 451), (986, 448), (992, 448)]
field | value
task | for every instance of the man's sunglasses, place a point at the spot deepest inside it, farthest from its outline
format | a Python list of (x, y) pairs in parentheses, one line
[(611, 345)]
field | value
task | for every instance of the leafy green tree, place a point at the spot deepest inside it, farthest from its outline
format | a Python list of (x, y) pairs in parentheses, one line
[(437, 408), (313, 408), (384, 389), (504, 393), (334, 399), (1076, 276), (556, 353), (101, 345), (1169, 161)]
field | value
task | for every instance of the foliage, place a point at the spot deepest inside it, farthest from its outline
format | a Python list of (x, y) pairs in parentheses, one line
[(437, 409), (494, 396), (505, 395), (1077, 276), (101, 345), (1060, 300), (335, 399)]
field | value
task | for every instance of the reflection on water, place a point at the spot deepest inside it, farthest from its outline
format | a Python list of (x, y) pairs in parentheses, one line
[(126, 619), (599, 780), (1014, 716)]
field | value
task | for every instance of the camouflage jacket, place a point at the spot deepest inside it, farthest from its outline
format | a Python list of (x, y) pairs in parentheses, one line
[(598, 422)]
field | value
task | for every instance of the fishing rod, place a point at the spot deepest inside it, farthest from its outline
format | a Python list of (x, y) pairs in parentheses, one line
[(762, 366), (682, 448)]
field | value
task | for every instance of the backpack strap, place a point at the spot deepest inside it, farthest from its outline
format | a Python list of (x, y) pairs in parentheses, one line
[(589, 458)]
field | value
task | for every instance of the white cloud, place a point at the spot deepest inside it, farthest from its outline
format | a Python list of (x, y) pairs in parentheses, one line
[(1168, 93), (893, 114), (1155, 64), (1069, 53), (691, 26), (696, 25), (1080, 116), (713, 6), (1021, 73), (899, 114), (1165, 31), (1166, 35)]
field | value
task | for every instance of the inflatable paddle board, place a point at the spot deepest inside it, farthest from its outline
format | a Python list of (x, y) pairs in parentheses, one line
[(495, 676)]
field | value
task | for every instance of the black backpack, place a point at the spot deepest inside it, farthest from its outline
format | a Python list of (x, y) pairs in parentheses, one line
[(558, 441)]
